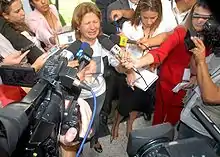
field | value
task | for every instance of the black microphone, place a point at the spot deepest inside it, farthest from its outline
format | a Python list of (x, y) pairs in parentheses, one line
[(113, 48), (69, 78), (121, 40), (109, 45), (71, 51)]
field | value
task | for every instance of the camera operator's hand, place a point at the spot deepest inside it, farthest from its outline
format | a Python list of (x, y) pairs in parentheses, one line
[(14, 58), (70, 135), (199, 50), (39, 62)]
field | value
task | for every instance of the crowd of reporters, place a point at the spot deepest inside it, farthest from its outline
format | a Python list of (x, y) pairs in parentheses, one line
[(159, 29)]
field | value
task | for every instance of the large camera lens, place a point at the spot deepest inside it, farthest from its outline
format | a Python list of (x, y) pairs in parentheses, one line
[(151, 149)]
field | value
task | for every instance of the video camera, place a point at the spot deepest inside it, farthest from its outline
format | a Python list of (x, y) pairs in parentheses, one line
[(32, 127), (158, 140), (210, 36)]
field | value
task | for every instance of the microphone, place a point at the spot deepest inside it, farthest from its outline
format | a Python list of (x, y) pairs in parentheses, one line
[(84, 55), (113, 48), (109, 45), (121, 40), (71, 51), (68, 78)]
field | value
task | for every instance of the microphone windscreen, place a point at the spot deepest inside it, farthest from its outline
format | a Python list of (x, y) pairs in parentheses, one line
[(115, 38), (108, 28), (106, 43), (84, 45), (74, 47)]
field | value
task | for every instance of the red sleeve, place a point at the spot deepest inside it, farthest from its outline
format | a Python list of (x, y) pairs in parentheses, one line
[(168, 45)]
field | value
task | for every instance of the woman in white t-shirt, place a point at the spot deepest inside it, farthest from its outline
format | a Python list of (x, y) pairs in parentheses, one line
[(86, 23), (146, 22)]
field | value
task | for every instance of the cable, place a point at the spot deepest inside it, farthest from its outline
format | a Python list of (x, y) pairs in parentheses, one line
[(148, 88), (90, 125)]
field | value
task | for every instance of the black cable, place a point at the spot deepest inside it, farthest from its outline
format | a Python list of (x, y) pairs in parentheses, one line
[(148, 88)]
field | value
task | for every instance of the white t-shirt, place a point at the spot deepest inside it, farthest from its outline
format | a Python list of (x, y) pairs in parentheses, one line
[(171, 14), (96, 81), (132, 5)]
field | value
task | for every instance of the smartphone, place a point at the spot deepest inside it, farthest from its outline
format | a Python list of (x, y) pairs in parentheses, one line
[(52, 51), (27, 48)]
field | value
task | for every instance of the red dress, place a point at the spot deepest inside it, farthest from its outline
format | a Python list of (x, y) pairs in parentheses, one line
[(174, 58), (10, 94)]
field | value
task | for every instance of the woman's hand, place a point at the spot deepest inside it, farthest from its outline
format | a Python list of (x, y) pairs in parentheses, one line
[(191, 83), (39, 62), (15, 58), (127, 60), (199, 50), (143, 43), (130, 78)]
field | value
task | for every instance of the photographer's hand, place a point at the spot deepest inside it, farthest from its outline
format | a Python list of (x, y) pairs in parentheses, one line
[(199, 50)]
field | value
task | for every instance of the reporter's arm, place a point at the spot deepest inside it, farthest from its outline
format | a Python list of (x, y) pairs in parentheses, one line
[(210, 92), (118, 14), (158, 55), (154, 41)]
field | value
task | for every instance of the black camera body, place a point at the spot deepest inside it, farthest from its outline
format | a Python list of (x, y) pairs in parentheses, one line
[(210, 36), (32, 126), (159, 141)]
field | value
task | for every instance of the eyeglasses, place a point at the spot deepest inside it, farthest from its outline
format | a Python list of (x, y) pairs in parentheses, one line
[(205, 17)]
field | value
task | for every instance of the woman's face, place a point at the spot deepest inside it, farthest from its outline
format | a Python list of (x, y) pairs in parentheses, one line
[(41, 5), (148, 18), (90, 26), (199, 17), (16, 13)]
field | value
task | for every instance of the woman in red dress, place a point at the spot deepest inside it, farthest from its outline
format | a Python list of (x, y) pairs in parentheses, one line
[(174, 59)]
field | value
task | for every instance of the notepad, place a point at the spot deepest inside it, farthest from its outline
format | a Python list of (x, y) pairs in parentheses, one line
[(149, 79)]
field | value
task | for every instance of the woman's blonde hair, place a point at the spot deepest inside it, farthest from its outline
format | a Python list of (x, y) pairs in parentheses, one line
[(80, 11)]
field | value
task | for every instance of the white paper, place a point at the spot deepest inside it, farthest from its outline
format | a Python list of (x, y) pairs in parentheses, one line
[(186, 74), (148, 76), (179, 86), (66, 38)]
